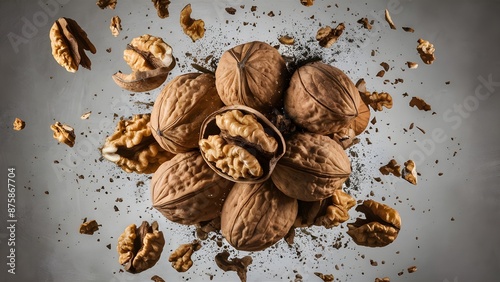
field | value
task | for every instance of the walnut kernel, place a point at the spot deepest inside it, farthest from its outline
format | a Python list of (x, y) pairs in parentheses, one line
[(181, 257), (195, 29), (115, 26), (327, 36), (63, 133), (18, 124), (426, 51)]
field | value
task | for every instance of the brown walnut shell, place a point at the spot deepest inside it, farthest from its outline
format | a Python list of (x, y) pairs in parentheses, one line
[(312, 168), (252, 74), (256, 216), (321, 98), (180, 109), (266, 160), (185, 190)]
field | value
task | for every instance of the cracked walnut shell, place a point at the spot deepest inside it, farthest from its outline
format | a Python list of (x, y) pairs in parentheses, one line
[(251, 74), (69, 42), (241, 144), (180, 109), (140, 248), (256, 216), (195, 29), (380, 228), (187, 191), (181, 257), (133, 148), (321, 98), (312, 168), (63, 133)]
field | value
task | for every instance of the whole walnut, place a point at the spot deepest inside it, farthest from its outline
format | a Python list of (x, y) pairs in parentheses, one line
[(252, 74), (256, 216), (321, 98), (180, 109), (187, 191)]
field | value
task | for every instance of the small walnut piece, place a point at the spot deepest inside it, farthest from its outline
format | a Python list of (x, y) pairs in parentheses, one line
[(157, 278), (161, 8), (377, 100), (195, 29), (365, 22), (240, 265), (115, 26), (287, 40), (86, 115), (325, 277), (327, 36), (63, 133), (150, 59), (412, 269), (412, 65), (133, 148), (426, 51), (181, 257), (392, 167), (338, 211), (18, 124), (410, 172), (103, 4), (69, 42), (389, 20), (140, 248), (420, 104), (307, 3), (380, 228), (89, 227), (385, 279)]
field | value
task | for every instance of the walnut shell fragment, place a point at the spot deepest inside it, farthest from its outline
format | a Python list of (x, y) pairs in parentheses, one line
[(89, 227), (181, 108), (412, 65), (410, 172), (391, 168), (181, 257), (115, 26), (161, 7), (69, 42), (187, 191), (241, 144), (63, 133), (195, 29), (389, 19), (256, 216), (18, 124), (251, 74), (426, 51), (240, 265), (321, 98), (326, 36), (133, 148), (140, 248), (103, 4), (150, 59), (312, 168), (420, 104), (365, 22), (380, 228)]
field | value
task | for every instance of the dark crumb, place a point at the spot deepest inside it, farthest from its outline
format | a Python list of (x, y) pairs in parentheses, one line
[(108, 246), (231, 10), (408, 29)]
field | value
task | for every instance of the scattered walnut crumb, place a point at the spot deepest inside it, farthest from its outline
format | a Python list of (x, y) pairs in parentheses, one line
[(391, 168), (373, 263), (195, 29), (161, 8), (408, 29), (385, 66), (410, 172), (426, 51), (389, 20), (325, 277), (307, 3), (380, 73), (103, 4), (18, 124), (326, 36), (420, 104), (385, 279), (253, 8), (240, 265), (231, 10), (412, 269), (270, 14), (287, 40), (421, 130), (412, 65), (365, 22), (115, 26)]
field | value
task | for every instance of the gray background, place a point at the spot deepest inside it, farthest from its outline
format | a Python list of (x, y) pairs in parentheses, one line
[(36, 89)]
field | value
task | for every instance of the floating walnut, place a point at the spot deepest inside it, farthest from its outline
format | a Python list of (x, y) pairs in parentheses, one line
[(251, 74), (426, 51), (140, 248), (392, 167), (337, 209), (389, 19), (63, 133), (380, 228), (420, 104), (256, 216), (181, 257), (377, 100), (133, 148), (161, 8), (89, 227), (18, 124), (410, 172), (195, 29), (321, 98), (312, 168), (86, 115), (180, 109), (187, 191), (103, 4), (69, 42), (115, 26), (240, 144), (412, 269), (240, 265), (150, 59), (326, 36)]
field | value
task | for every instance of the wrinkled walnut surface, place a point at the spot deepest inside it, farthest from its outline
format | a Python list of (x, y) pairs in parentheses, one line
[(377, 100), (195, 29), (103, 4), (181, 257), (63, 133), (18, 124), (133, 148), (240, 265), (69, 42)]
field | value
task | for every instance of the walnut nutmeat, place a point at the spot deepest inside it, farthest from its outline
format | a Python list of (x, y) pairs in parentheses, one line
[(63, 133), (326, 36), (426, 51), (161, 8), (89, 227), (18, 124), (195, 29), (240, 265), (115, 26), (181, 257)]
